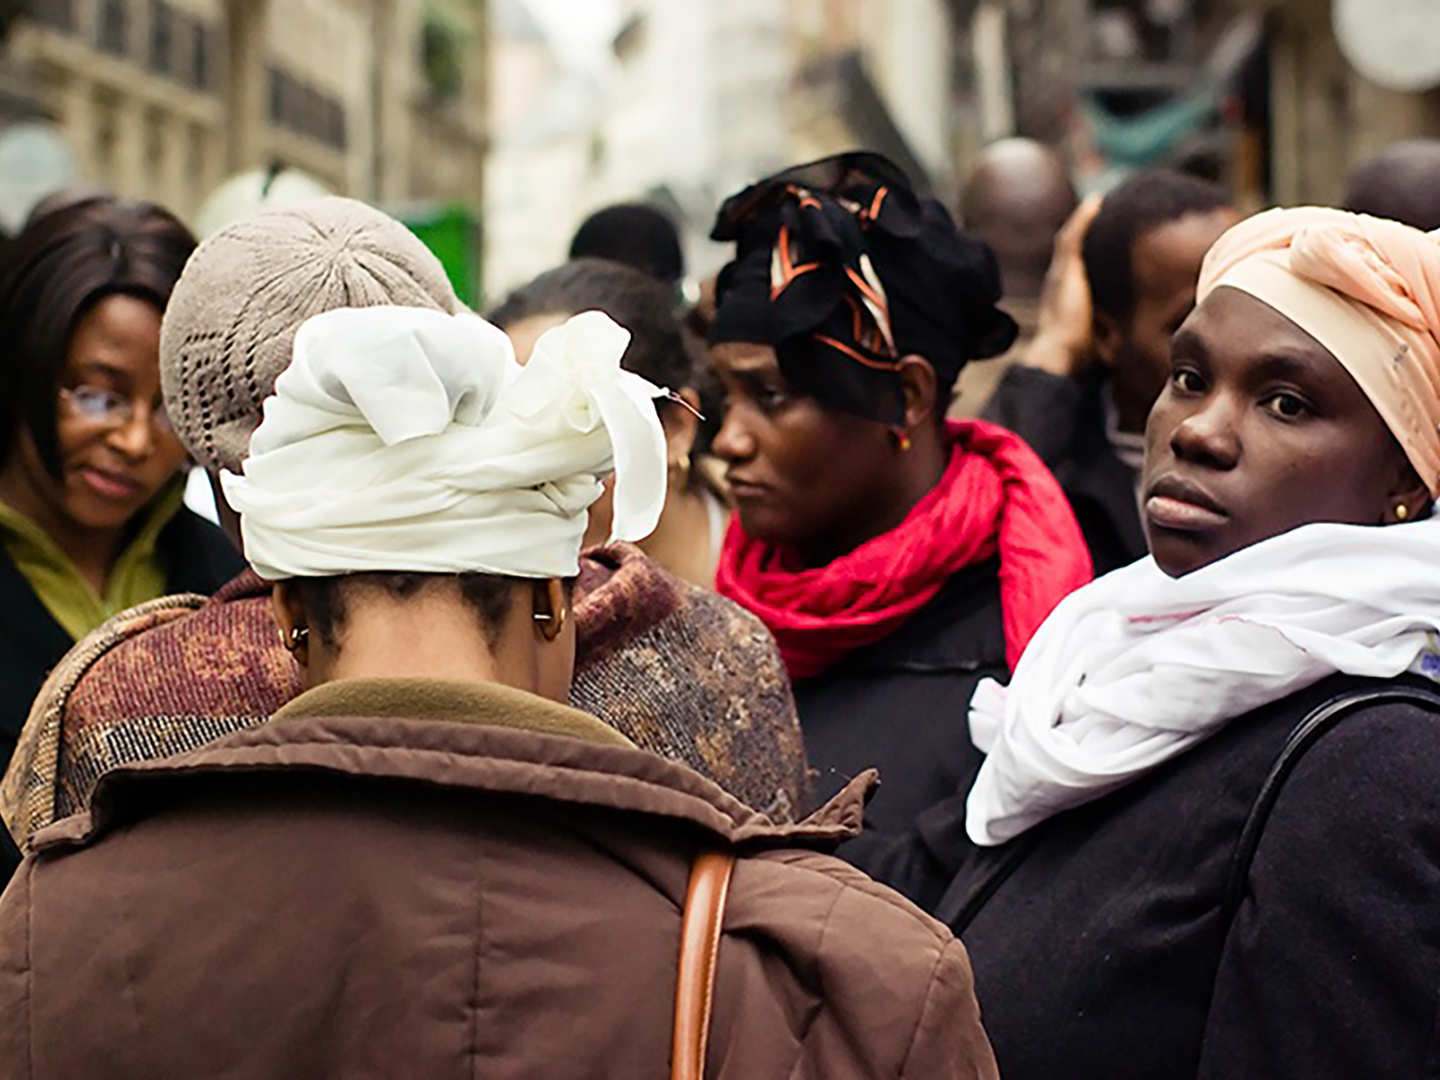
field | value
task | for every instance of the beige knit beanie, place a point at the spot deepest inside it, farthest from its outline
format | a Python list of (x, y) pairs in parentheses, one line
[(231, 321)]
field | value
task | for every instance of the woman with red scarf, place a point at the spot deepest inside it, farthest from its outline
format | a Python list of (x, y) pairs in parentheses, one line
[(897, 558)]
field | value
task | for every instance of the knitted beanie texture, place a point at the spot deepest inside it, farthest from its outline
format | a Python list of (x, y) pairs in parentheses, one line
[(230, 325)]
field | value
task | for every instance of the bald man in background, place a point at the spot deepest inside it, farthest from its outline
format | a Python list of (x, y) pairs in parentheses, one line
[(1016, 198), (1401, 182)]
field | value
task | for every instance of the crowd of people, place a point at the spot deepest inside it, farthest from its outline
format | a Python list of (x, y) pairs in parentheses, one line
[(607, 686)]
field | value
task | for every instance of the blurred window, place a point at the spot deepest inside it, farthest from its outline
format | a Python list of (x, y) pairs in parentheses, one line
[(162, 37), (306, 110), (59, 14), (198, 70), (115, 26), (440, 59)]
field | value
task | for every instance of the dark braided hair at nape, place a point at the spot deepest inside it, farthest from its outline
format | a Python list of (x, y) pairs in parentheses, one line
[(326, 599)]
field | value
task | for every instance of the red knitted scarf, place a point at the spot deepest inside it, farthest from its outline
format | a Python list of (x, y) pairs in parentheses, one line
[(995, 496)]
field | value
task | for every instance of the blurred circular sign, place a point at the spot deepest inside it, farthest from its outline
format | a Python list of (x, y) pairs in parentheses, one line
[(245, 193), (1393, 43), (34, 162)]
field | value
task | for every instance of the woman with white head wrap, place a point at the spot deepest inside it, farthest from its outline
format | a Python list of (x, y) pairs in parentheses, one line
[(405, 440), (425, 860)]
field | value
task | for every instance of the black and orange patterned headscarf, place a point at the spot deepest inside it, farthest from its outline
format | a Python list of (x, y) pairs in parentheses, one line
[(843, 269)]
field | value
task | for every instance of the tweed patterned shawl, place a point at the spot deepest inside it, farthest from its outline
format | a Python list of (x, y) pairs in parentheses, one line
[(679, 670)]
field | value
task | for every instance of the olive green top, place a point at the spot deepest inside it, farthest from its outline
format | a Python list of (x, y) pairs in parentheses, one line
[(138, 574)]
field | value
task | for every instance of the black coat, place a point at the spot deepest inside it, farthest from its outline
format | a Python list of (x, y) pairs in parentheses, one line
[(900, 705), (198, 557), (1063, 420), (1098, 939)]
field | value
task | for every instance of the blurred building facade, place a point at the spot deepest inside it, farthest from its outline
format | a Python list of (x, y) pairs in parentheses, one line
[(161, 99), (1326, 115), (697, 100), (1259, 93)]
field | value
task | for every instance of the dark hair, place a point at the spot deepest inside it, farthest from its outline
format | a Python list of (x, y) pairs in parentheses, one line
[(51, 275), (634, 234), (1401, 182), (325, 598), (1139, 206), (658, 350)]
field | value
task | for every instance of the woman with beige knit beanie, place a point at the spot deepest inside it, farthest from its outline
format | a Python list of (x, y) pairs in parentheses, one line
[(675, 668)]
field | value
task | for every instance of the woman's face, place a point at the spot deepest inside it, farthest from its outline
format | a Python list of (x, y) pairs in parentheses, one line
[(803, 476), (1258, 430), (112, 463)]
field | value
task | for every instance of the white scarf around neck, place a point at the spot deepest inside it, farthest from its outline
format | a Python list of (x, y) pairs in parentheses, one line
[(1136, 667)]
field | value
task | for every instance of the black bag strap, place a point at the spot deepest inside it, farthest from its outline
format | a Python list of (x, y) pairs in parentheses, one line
[(1305, 734)]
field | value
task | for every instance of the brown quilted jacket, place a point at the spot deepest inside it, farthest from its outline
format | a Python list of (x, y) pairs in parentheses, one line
[(436, 879), (679, 670)]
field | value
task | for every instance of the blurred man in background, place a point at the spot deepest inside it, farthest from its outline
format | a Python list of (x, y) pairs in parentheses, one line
[(1401, 182), (1016, 198), (1121, 285)]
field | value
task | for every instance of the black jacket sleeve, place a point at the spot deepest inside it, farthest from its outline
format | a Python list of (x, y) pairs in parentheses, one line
[(1332, 965), (1043, 409)]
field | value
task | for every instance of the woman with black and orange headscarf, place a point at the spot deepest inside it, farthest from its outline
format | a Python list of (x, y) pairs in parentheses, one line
[(896, 557)]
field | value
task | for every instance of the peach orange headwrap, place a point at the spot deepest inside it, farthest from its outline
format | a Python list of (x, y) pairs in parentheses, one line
[(1368, 290)]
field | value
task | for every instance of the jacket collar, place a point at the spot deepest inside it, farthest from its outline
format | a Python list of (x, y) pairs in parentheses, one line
[(451, 700), (507, 742)]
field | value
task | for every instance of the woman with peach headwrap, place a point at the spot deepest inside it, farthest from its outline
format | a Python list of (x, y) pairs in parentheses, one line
[(1206, 837)]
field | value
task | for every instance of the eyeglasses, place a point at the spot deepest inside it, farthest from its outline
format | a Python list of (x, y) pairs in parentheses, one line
[(109, 409)]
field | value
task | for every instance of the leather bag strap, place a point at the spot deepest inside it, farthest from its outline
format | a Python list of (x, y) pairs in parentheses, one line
[(699, 950), (1303, 736)]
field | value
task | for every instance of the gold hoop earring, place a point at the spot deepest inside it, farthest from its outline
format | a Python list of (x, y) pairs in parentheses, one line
[(298, 637), (552, 623), (555, 610)]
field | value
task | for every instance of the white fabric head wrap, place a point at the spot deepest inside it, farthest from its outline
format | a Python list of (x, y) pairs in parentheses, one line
[(402, 439)]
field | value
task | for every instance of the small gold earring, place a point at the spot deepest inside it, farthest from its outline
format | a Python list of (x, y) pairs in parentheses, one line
[(299, 635), (552, 622), (902, 439), (1400, 512), (556, 610)]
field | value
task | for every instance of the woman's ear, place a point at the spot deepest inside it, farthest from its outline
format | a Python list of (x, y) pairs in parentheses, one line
[(680, 423), (1108, 336), (1409, 499), (291, 622), (922, 389)]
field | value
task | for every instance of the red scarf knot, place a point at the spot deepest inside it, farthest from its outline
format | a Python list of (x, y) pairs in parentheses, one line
[(995, 496)]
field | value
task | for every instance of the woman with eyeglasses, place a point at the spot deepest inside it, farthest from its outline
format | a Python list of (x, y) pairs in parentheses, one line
[(91, 520)]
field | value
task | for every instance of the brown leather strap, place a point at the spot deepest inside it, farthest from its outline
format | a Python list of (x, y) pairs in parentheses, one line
[(699, 949)]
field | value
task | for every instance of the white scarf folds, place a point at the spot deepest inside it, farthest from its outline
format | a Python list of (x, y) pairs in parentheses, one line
[(1137, 667), (402, 439)]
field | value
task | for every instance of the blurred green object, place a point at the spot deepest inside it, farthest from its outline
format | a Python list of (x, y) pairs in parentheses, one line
[(1145, 140), (452, 232)]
